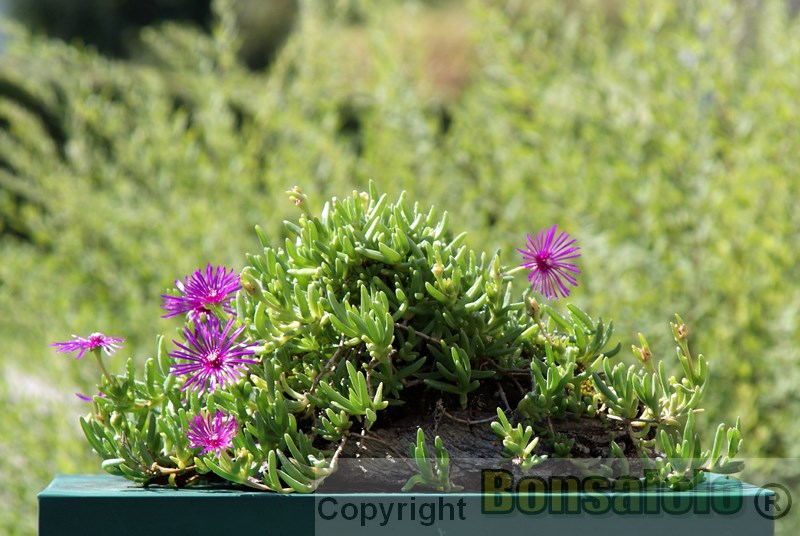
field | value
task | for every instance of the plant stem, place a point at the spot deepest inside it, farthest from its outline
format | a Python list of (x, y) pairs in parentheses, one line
[(97, 355), (418, 333)]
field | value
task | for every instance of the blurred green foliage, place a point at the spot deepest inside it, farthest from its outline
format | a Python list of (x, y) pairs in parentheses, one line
[(663, 136)]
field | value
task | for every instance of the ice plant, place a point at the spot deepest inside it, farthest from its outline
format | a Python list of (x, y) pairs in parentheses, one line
[(375, 313), (214, 358), (203, 293), (548, 256), (92, 342), (214, 434)]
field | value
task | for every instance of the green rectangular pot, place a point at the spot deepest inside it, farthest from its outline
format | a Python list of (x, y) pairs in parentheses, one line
[(85, 505)]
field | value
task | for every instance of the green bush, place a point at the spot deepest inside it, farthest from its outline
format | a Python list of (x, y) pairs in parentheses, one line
[(662, 135)]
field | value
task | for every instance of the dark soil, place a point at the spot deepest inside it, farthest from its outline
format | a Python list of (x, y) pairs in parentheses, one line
[(380, 460)]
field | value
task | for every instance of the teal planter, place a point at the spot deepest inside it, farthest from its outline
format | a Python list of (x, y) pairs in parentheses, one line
[(86, 505)]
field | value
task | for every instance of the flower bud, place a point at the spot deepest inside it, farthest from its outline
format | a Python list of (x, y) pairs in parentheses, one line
[(643, 354), (682, 333), (250, 284), (297, 196), (533, 308)]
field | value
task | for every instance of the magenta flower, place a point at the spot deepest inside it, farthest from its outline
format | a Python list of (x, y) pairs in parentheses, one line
[(546, 257), (212, 433), (95, 340), (87, 398), (214, 359), (202, 292)]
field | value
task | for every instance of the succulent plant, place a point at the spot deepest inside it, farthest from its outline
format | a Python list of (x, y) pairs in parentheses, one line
[(375, 313)]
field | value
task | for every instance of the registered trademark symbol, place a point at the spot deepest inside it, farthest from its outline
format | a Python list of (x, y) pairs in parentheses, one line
[(773, 505)]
